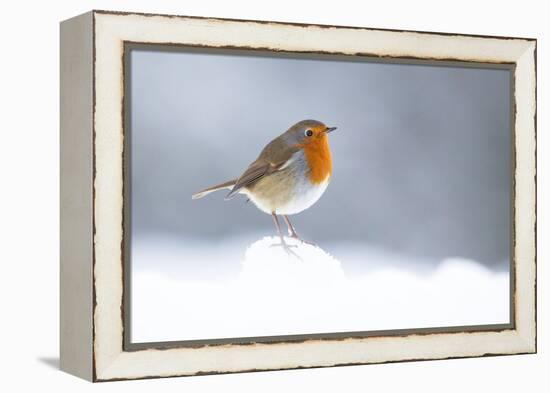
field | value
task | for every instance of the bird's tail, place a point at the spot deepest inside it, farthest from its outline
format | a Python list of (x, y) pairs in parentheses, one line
[(227, 185)]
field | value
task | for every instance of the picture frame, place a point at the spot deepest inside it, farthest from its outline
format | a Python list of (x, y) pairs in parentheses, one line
[(94, 260)]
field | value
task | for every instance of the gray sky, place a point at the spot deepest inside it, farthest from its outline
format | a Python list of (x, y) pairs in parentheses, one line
[(421, 155)]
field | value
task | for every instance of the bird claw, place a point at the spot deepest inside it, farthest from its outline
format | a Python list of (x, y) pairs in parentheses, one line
[(284, 245), (287, 248), (303, 241)]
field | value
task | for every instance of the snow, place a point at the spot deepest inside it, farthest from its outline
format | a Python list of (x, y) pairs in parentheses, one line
[(268, 291)]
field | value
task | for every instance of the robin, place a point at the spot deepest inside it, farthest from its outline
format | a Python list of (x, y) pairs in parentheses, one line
[(290, 174)]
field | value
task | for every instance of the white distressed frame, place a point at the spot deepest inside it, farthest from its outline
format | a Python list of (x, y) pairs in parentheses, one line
[(109, 360)]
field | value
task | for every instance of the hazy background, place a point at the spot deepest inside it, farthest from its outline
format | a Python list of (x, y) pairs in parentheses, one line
[(413, 229), (421, 154)]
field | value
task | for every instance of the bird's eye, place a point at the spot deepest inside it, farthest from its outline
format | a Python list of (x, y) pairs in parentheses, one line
[(309, 133)]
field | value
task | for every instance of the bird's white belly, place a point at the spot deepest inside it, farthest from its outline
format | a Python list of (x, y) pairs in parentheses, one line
[(288, 191), (304, 195)]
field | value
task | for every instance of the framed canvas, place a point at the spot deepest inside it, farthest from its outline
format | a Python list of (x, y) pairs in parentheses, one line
[(243, 195)]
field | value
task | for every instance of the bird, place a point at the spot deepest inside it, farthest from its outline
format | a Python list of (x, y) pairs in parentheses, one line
[(291, 173)]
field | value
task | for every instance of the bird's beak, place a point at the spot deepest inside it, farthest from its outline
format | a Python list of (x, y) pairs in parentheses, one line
[(330, 129)]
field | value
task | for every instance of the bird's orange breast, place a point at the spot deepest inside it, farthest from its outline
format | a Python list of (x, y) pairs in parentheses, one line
[(319, 158)]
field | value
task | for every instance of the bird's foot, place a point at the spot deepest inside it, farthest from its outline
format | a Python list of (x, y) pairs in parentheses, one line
[(287, 248), (294, 236)]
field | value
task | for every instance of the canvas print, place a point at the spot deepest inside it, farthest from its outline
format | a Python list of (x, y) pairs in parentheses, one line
[(276, 195)]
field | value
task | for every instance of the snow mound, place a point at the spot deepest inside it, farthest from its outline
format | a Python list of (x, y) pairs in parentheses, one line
[(272, 292), (267, 262)]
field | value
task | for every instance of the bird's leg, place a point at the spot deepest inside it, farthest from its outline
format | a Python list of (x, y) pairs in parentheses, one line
[(291, 229), (292, 232), (283, 243), (279, 232)]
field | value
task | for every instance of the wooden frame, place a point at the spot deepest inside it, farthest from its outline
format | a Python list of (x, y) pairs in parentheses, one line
[(94, 345)]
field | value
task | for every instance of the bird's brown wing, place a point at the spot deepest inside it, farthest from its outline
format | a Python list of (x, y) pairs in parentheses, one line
[(272, 158), (253, 173)]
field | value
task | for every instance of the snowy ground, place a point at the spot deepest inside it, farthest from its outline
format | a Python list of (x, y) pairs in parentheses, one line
[(194, 291)]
